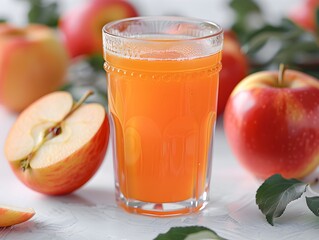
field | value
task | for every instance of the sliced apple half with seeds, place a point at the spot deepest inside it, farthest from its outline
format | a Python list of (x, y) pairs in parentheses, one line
[(10, 216), (56, 145)]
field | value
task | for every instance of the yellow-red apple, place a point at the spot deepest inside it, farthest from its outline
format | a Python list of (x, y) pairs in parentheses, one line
[(272, 125), (55, 146), (82, 25), (235, 68), (33, 62), (10, 216)]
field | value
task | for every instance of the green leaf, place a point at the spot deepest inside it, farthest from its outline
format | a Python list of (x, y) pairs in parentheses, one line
[(43, 12), (276, 193), (313, 204), (189, 233), (286, 43), (244, 6), (96, 61), (246, 11)]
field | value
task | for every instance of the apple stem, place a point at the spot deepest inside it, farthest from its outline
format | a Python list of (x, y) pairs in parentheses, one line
[(53, 131), (78, 104), (281, 73)]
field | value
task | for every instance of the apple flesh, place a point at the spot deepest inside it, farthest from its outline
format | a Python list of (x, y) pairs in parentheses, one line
[(33, 62), (10, 216), (273, 127), (82, 25), (235, 68), (54, 149)]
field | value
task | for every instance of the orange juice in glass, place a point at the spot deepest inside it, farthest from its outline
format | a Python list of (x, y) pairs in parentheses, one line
[(162, 75)]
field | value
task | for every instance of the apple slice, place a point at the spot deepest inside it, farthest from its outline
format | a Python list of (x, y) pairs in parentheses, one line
[(56, 146), (12, 215)]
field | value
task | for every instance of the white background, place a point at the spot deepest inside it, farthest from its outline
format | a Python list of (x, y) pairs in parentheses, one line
[(216, 10)]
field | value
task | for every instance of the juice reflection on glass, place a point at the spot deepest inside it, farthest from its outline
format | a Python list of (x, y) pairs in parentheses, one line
[(162, 89)]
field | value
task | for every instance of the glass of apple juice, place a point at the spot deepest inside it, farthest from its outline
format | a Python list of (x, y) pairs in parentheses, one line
[(162, 77)]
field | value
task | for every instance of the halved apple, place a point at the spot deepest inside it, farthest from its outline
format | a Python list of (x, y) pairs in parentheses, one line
[(56, 146), (12, 215)]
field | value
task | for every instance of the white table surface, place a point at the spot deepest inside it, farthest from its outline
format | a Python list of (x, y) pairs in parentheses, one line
[(91, 212)]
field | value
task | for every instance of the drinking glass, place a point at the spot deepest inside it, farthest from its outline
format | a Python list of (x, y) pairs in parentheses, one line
[(162, 78)]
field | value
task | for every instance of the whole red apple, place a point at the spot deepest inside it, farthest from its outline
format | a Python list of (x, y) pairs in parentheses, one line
[(305, 14), (56, 146), (235, 68), (33, 62), (82, 25), (272, 126)]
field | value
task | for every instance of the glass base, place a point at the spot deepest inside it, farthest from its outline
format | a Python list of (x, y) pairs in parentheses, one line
[(162, 209)]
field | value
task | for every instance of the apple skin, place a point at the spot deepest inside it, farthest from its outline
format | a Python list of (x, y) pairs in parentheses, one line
[(11, 216), (273, 129), (235, 68), (33, 62), (82, 25), (305, 14)]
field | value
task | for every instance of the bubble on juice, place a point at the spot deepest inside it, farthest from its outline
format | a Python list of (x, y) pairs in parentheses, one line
[(163, 55)]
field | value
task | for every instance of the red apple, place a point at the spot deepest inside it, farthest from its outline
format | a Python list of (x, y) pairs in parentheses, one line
[(235, 68), (272, 126), (55, 146), (305, 14), (82, 25), (33, 62), (12, 215)]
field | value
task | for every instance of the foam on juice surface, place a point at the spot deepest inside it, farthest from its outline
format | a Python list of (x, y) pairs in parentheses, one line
[(166, 47)]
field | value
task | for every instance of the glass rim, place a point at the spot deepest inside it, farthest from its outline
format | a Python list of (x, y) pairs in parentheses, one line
[(219, 29)]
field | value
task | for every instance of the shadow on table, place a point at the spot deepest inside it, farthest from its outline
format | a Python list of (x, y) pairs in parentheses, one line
[(86, 196)]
